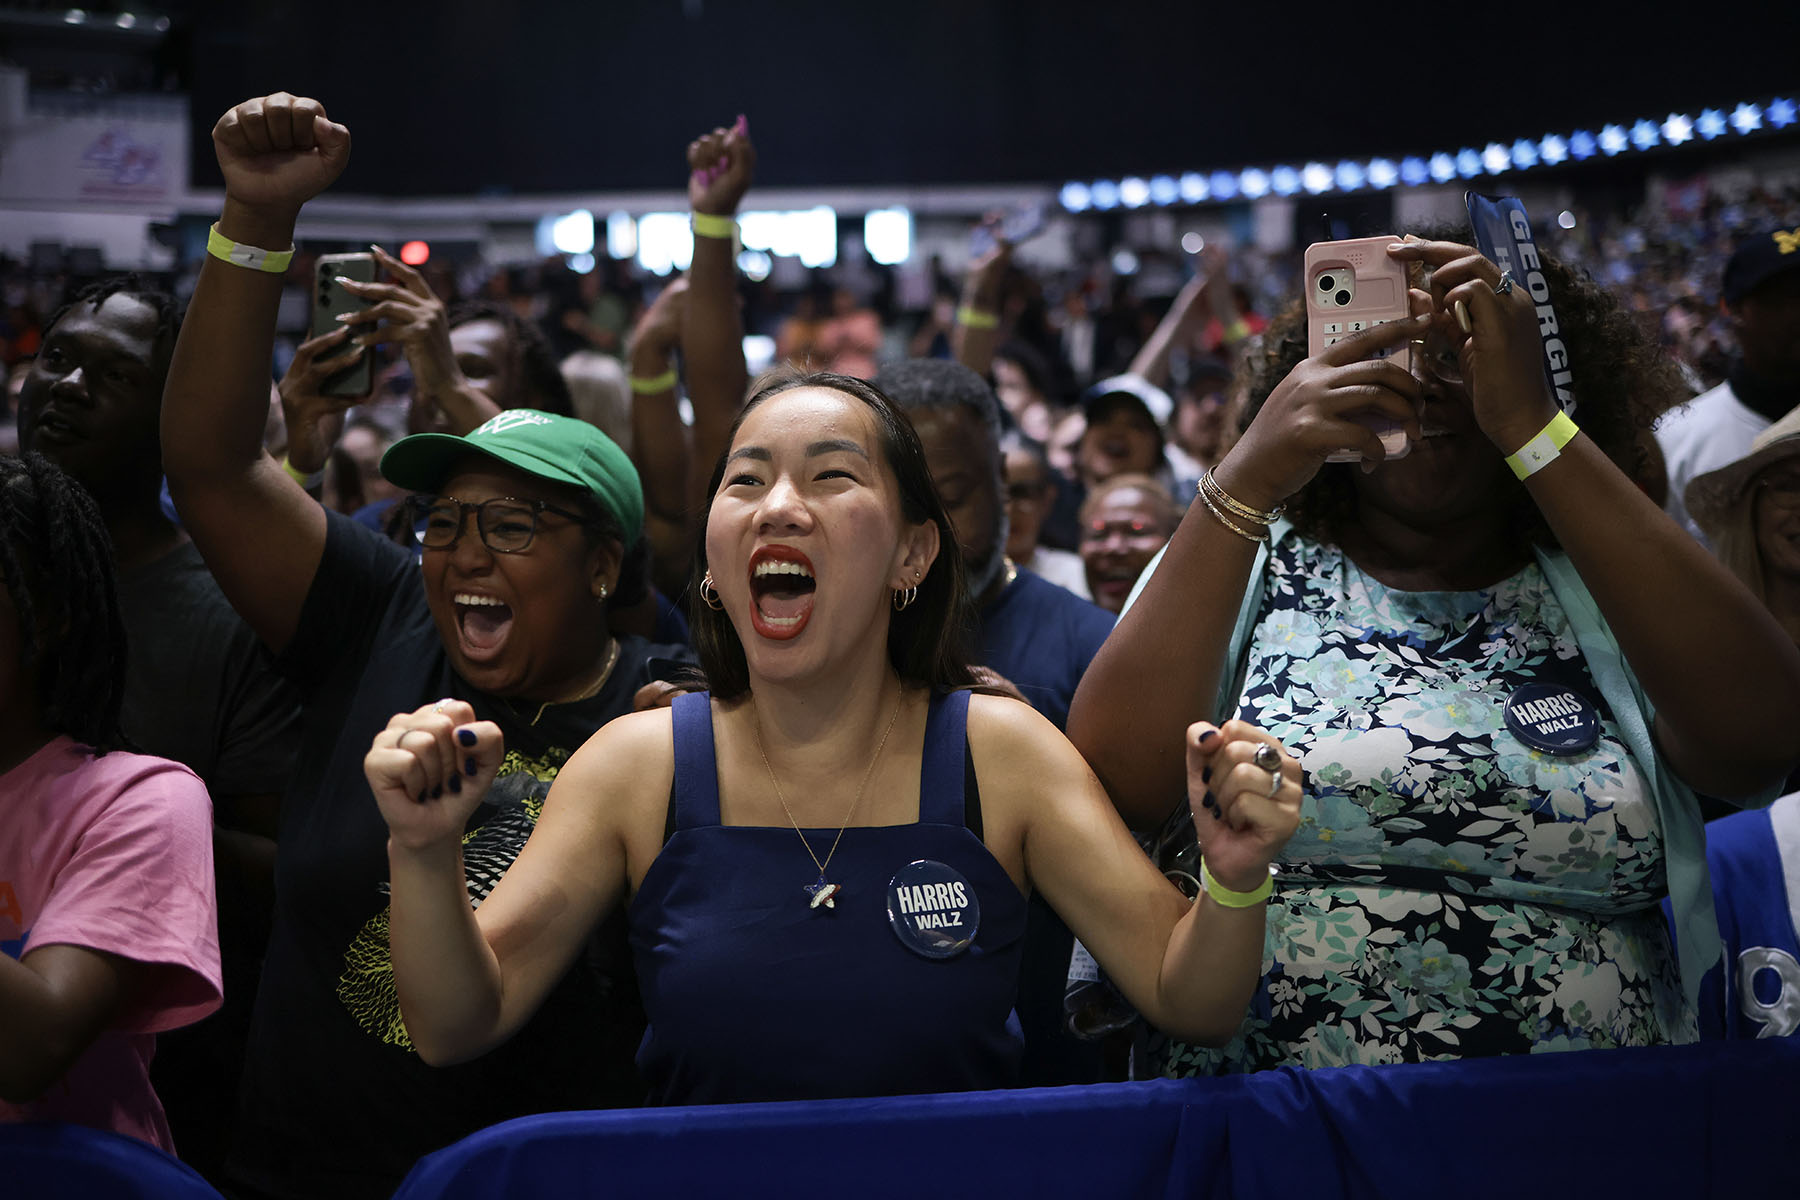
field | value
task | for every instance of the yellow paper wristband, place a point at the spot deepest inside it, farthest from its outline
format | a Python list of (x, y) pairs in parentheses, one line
[(272, 262), (309, 482), (974, 318), (654, 384), (1543, 449), (712, 225), (1230, 899)]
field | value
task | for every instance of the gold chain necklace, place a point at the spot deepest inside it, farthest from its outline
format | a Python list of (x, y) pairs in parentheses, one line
[(593, 689), (825, 894)]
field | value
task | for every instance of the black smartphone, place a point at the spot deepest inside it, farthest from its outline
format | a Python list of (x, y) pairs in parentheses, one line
[(330, 298)]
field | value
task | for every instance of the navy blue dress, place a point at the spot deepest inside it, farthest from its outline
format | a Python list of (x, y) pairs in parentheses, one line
[(752, 995)]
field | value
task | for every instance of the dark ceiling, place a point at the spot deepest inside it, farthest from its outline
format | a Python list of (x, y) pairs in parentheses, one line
[(473, 95)]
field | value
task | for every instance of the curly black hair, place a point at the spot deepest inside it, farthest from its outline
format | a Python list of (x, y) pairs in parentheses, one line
[(168, 314), (545, 388), (57, 563), (1621, 384)]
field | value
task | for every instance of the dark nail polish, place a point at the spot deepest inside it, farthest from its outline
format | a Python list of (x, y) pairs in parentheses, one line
[(456, 783), (436, 792), (466, 737), (469, 767), (1209, 801), (1206, 775), (1206, 739), (424, 796)]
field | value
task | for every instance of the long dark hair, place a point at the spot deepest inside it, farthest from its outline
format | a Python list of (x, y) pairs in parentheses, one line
[(925, 640), (57, 561)]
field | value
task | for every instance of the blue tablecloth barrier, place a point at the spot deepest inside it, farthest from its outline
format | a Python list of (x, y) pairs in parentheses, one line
[(1711, 1120), (55, 1160)]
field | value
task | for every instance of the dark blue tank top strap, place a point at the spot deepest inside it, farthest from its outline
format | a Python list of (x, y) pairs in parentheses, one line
[(941, 765), (695, 802)]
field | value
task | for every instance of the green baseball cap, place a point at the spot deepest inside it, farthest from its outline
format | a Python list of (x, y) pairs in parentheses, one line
[(559, 449)]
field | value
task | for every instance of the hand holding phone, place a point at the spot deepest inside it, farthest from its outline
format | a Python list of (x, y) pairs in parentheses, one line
[(330, 298), (1351, 286)]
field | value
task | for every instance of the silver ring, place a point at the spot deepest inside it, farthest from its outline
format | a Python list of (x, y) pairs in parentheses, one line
[(1275, 782), (1268, 758), (1505, 286)]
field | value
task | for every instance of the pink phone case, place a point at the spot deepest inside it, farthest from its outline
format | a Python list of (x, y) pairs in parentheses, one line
[(1351, 286)]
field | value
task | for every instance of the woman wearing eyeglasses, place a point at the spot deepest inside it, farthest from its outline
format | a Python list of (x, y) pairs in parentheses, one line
[(523, 526)]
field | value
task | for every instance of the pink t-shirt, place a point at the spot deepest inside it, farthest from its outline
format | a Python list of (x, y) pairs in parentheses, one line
[(112, 853)]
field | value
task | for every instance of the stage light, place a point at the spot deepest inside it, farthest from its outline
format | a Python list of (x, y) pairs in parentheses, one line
[(621, 236), (75, 16), (1194, 188), (126, 20), (1192, 242), (888, 235), (1781, 113), (415, 253), (1383, 173), (1710, 124), (1553, 149), (1566, 219), (1284, 180), (1746, 118), (1495, 159), (665, 242), (1075, 197), (1124, 262), (581, 264), (1644, 135), (755, 264), (162, 25), (1677, 129), (1133, 192), (1468, 163), (1105, 193), (573, 233), (1224, 185), (1582, 145), (1315, 178), (1163, 189), (1443, 167), (1612, 140), (1350, 176), (1524, 154), (1254, 183), (1413, 171)]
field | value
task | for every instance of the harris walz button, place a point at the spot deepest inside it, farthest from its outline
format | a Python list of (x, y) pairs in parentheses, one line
[(932, 909), (1553, 719)]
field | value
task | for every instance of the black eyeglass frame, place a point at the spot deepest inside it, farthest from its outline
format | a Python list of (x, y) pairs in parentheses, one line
[(420, 506)]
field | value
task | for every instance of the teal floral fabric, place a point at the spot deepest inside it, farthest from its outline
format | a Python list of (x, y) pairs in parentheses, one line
[(1450, 891)]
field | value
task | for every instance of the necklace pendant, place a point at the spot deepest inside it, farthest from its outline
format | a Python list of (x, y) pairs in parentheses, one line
[(824, 895)]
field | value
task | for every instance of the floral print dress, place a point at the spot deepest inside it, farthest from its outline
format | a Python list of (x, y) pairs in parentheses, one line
[(1450, 891)]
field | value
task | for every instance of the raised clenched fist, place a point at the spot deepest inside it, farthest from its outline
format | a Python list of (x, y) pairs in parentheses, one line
[(279, 151)]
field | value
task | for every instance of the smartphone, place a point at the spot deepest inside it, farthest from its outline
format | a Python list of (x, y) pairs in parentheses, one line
[(1020, 224), (329, 299), (1351, 286)]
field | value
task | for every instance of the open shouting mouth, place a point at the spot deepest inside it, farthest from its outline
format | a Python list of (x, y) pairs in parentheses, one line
[(483, 621), (781, 591)]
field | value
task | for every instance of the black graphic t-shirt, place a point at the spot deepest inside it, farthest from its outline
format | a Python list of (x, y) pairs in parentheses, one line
[(336, 1102)]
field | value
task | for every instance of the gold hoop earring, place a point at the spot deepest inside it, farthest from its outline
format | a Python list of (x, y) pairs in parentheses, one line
[(710, 594), (904, 597)]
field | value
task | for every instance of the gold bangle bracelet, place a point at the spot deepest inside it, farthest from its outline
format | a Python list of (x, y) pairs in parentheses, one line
[(1227, 522), (1214, 490)]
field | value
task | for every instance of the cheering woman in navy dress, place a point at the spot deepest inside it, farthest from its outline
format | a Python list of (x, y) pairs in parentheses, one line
[(826, 858)]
